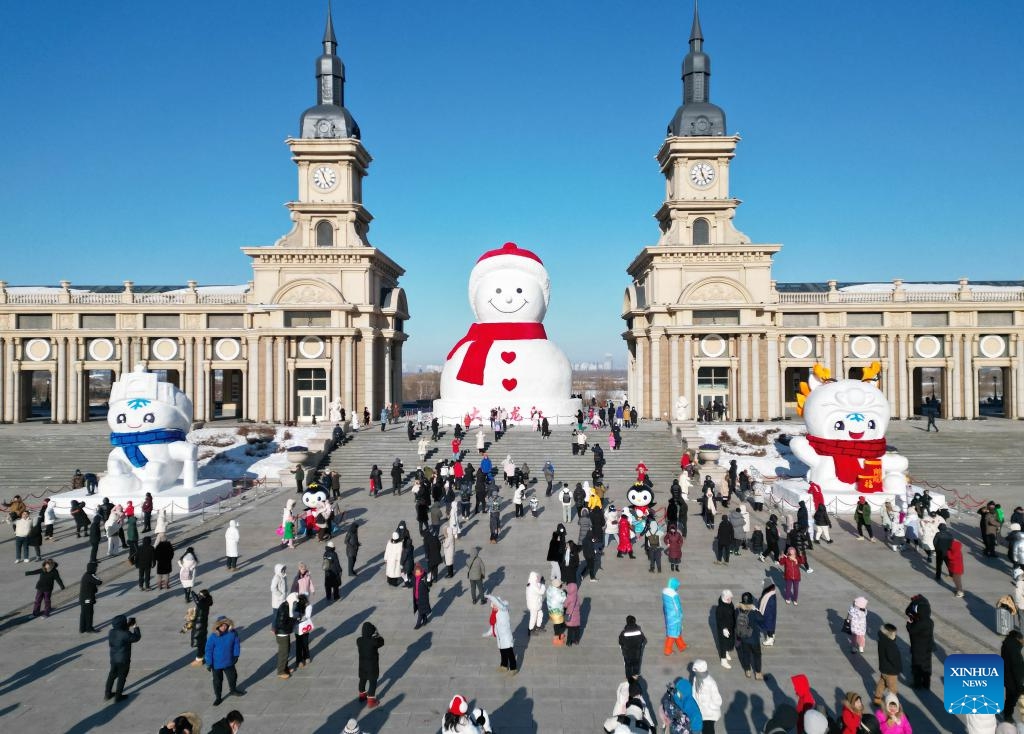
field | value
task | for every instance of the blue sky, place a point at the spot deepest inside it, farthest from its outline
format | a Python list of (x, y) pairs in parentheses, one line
[(145, 141)]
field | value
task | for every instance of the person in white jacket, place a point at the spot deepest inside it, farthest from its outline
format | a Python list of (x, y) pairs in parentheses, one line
[(500, 627), (231, 537), (49, 518), (929, 528), (535, 591), (707, 695), (278, 587), (393, 560)]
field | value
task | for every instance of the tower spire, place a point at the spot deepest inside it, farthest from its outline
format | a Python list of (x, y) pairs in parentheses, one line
[(697, 116), (329, 118)]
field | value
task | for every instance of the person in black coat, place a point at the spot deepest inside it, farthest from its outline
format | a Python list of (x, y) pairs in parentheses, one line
[(369, 644), (397, 472), (570, 563), (104, 509), (87, 589), (352, 546), (801, 516), (771, 538), (200, 624), (48, 576), (164, 554), (81, 519), (123, 634), (556, 546), (35, 537), (725, 627), (632, 642), (672, 511), (282, 627), (726, 537), (145, 559), (921, 630), (941, 542), (420, 596), (331, 565), (432, 550), (1013, 671), (890, 663), (410, 431)]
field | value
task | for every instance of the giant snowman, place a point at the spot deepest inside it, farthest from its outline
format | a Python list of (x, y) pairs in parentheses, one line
[(505, 360), (845, 447), (149, 420)]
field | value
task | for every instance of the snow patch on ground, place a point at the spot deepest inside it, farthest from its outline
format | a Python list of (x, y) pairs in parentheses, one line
[(224, 454), (770, 460)]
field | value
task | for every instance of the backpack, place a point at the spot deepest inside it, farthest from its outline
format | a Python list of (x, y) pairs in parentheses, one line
[(743, 628), (678, 722), (566, 496), (325, 565)]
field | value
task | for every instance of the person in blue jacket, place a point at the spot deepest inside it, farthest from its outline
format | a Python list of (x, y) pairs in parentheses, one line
[(223, 648), (682, 697), (672, 607)]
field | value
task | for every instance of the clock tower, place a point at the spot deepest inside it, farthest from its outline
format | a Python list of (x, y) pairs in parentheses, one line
[(704, 279), (329, 303)]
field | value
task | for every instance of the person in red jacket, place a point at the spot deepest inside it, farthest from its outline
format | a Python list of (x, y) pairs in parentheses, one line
[(456, 449), (853, 710), (804, 699), (955, 564), (625, 542), (791, 574)]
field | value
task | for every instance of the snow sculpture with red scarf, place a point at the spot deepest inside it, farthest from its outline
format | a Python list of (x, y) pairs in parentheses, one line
[(505, 359), (845, 446)]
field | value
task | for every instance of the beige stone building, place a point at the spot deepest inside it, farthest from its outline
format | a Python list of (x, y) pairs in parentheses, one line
[(706, 320), (321, 320)]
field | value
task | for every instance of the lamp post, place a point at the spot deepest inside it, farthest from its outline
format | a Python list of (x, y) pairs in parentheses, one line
[(993, 388)]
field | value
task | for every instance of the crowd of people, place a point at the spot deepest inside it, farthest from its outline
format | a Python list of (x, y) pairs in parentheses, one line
[(444, 496)]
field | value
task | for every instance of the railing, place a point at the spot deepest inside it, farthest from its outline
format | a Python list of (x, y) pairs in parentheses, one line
[(47, 299), (910, 296)]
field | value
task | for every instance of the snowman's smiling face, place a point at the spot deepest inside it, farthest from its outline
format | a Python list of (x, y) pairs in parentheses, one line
[(508, 295)]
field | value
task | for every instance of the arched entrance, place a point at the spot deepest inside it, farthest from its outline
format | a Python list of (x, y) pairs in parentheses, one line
[(228, 388), (36, 395), (97, 394), (793, 376), (991, 391)]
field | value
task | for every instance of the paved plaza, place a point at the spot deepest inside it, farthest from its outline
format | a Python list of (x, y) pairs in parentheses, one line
[(52, 677)]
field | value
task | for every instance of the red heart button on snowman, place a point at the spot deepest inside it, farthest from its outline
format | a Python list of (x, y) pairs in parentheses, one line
[(509, 385), (508, 357)]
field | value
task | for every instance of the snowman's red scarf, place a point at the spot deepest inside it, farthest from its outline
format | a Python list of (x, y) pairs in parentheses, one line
[(482, 338), (846, 454)]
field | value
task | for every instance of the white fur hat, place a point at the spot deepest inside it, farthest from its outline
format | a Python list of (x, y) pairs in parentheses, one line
[(510, 256)]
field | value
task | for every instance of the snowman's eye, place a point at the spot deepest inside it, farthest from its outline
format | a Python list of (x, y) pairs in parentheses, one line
[(497, 290), (519, 290)]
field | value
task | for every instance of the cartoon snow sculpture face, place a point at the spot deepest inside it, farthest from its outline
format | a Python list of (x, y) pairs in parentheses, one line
[(311, 499), (136, 413), (508, 295), (640, 497), (847, 410)]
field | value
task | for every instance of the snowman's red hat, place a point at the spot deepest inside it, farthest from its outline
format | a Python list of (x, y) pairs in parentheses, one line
[(511, 257)]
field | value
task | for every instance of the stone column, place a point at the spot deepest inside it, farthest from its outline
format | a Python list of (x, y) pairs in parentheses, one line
[(396, 372), (842, 344), (125, 360), (350, 378), (74, 382), (60, 383), (335, 387), (202, 382), (901, 369), (136, 351), (4, 378), (387, 372), (755, 378), (956, 379), (369, 342), (252, 383), (1018, 386), (825, 346), (673, 372), (774, 378), (10, 380), (267, 343), (655, 374), (970, 377), (890, 372), (688, 382), (742, 383), (281, 381), (190, 370), (637, 398)]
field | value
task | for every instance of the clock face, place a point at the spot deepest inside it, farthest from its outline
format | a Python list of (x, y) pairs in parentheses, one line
[(324, 178), (702, 174)]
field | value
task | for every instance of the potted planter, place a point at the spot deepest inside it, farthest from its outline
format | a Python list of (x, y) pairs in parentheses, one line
[(297, 454), (708, 453)]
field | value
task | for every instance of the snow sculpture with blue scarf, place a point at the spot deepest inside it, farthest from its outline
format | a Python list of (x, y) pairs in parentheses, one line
[(149, 420)]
